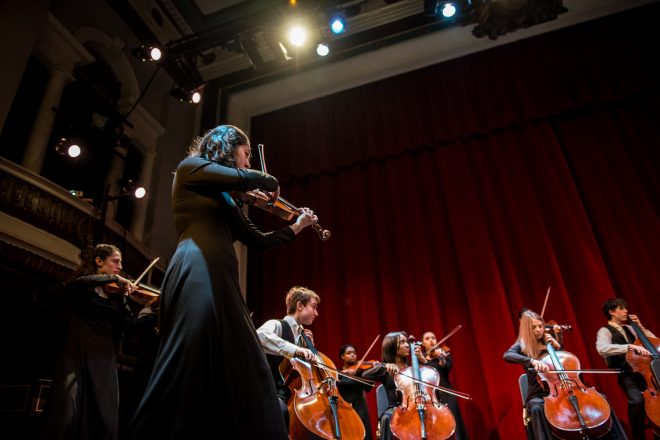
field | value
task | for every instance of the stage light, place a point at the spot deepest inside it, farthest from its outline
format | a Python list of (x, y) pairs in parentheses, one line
[(155, 53), (140, 192), (322, 49), (448, 10), (337, 24), (297, 35), (67, 147), (183, 95), (147, 52), (73, 150)]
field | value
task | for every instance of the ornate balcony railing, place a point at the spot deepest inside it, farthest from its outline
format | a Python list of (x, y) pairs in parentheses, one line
[(44, 228)]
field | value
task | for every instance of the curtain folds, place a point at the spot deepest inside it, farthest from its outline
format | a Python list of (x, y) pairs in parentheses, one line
[(459, 193)]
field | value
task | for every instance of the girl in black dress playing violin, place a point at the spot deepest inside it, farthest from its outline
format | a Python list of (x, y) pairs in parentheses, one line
[(208, 340), (84, 400), (442, 360), (352, 391)]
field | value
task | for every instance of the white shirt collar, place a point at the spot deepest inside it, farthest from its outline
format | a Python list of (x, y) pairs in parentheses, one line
[(295, 327), (619, 328)]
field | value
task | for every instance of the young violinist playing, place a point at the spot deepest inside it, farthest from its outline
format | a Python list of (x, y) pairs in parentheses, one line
[(613, 342), (396, 350), (441, 359), (84, 399), (211, 378), (281, 338), (352, 391)]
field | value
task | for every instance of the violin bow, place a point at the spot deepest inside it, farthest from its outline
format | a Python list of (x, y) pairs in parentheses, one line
[(437, 344), (439, 388), (146, 270), (262, 157), (545, 303), (323, 366), (596, 371), (367, 352)]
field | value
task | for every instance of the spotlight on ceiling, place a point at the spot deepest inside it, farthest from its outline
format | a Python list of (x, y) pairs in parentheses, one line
[(140, 192), (147, 52), (448, 10), (337, 24), (193, 96), (297, 35), (73, 150), (67, 147), (322, 49)]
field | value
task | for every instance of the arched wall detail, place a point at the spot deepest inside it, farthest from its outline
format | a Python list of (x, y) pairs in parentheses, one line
[(111, 50)]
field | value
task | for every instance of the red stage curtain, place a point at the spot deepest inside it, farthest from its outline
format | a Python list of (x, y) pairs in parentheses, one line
[(457, 194)]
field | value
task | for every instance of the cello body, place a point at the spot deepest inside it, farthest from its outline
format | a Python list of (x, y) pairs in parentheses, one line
[(420, 415), (572, 409), (316, 410), (642, 365)]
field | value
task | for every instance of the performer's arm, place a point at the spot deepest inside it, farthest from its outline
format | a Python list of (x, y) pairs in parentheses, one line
[(271, 340)]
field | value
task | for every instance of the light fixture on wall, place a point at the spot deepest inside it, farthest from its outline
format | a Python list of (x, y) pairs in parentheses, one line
[(148, 52), (68, 147), (193, 96)]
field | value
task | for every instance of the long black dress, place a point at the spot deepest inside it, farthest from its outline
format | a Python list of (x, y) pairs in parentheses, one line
[(211, 379), (353, 392), (450, 400), (84, 399)]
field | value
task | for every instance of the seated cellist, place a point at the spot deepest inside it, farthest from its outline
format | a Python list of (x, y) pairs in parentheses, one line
[(613, 342), (396, 350), (527, 351), (280, 338)]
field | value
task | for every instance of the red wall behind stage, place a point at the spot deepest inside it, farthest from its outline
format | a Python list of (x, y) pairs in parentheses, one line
[(458, 193)]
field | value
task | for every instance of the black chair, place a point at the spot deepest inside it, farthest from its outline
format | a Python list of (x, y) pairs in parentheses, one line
[(522, 384), (381, 400)]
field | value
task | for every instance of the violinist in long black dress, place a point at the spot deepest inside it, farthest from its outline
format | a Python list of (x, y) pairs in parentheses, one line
[(353, 391), (442, 361), (396, 350), (211, 379), (84, 399)]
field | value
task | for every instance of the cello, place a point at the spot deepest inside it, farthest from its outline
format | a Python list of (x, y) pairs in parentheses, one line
[(420, 415), (573, 410), (642, 365), (316, 408)]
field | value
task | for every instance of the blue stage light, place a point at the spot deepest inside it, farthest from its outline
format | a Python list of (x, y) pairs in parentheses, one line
[(337, 24)]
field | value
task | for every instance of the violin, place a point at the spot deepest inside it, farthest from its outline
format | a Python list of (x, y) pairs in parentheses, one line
[(279, 207), (365, 365), (442, 351), (143, 294), (316, 407), (573, 410), (421, 414), (642, 364)]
